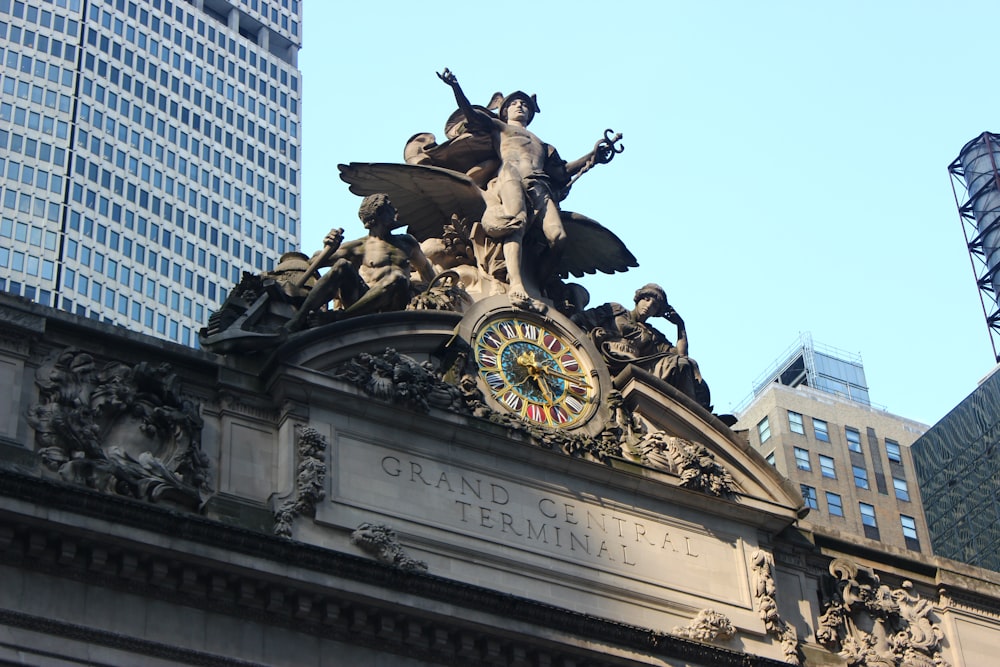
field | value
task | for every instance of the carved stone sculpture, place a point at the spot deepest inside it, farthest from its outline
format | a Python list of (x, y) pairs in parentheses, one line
[(382, 543), (707, 626), (764, 590), (624, 337), (309, 482), (506, 186), (695, 465), (529, 183), (872, 625), (121, 429), (367, 275)]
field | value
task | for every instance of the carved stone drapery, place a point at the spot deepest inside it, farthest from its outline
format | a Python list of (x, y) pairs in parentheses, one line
[(121, 429), (707, 626), (382, 543), (872, 625), (309, 481), (764, 590)]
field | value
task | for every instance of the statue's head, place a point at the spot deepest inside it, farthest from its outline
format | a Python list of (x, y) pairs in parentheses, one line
[(374, 206), (656, 294), (528, 100)]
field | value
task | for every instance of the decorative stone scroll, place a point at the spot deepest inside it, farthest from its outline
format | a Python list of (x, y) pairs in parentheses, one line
[(121, 429), (872, 625), (707, 626), (381, 542), (764, 590), (309, 481)]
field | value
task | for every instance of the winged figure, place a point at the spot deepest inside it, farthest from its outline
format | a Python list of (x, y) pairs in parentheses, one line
[(485, 202), (430, 199)]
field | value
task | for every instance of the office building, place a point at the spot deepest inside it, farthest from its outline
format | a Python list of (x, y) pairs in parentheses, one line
[(959, 471), (149, 154), (811, 418)]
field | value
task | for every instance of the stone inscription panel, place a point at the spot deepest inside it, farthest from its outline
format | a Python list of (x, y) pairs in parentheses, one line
[(551, 521)]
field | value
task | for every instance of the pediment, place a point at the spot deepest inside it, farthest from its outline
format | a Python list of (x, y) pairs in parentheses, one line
[(373, 352), (664, 408)]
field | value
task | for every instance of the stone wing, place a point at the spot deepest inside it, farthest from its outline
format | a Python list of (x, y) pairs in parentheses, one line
[(425, 197), (592, 247)]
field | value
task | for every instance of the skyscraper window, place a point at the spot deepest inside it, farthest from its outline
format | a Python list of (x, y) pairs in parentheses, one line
[(174, 134)]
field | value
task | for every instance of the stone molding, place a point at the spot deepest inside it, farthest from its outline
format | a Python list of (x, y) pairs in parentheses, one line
[(302, 605)]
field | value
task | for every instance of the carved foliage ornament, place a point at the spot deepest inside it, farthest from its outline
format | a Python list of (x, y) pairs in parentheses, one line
[(874, 626), (764, 590), (382, 543), (309, 481), (707, 626), (399, 379), (121, 429), (691, 461)]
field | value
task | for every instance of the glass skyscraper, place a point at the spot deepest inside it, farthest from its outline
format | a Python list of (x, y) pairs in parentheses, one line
[(149, 153)]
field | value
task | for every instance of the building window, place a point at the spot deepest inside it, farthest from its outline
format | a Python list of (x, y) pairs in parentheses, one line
[(868, 521), (809, 495), (820, 429), (802, 459), (764, 430), (853, 439), (860, 477), (892, 451), (826, 466), (902, 491), (795, 422), (834, 504), (909, 526), (770, 458)]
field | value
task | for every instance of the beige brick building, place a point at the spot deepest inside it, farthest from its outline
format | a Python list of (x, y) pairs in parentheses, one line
[(851, 461)]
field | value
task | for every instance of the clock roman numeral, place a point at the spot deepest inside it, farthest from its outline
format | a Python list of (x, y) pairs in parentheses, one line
[(495, 380), (487, 358)]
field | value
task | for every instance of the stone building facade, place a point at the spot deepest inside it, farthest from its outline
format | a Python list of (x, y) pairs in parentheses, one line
[(345, 498)]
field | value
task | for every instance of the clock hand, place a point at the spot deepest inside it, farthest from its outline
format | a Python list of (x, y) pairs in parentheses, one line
[(570, 378), (543, 385)]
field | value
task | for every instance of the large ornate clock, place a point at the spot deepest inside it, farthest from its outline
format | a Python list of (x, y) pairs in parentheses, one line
[(537, 367)]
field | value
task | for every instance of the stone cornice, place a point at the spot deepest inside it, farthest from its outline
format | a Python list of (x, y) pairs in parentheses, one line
[(65, 551)]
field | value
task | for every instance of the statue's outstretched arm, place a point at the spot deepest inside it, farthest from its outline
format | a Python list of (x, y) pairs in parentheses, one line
[(465, 106)]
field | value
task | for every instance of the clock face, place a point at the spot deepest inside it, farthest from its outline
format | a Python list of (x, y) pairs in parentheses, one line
[(535, 372)]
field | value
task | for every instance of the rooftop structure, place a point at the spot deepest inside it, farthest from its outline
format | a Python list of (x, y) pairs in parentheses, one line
[(819, 366)]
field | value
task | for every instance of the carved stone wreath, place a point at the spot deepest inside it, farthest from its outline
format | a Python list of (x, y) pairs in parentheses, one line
[(121, 429)]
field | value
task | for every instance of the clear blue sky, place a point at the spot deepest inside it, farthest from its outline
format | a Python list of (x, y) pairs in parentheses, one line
[(785, 166)]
